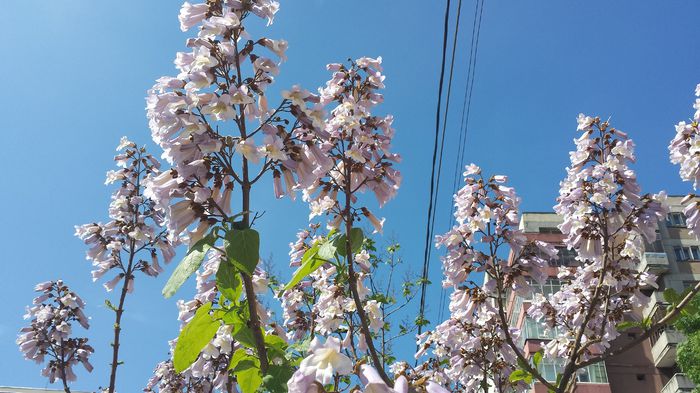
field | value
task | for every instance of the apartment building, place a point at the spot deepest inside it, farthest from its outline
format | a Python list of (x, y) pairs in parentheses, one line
[(649, 367)]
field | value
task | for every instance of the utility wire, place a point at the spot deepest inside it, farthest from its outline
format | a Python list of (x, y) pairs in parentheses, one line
[(426, 252), (466, 109), (435, 180)]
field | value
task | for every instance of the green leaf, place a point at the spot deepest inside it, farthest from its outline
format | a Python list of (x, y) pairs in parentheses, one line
[(327, 251), (243, 249), (624, 325), (194, 337), (276, 347), (228, 282), (277, 377), (110, 305), (275, 341), (356, 239), (519, 375), (244, 335), (537, 358), (239, 355), (309, 263), (246, 369), (190, 263), (248, 375), (238, 318), (691, 308), (522, 364)]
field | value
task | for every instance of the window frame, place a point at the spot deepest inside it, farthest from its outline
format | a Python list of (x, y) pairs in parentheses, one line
[(675, 219)]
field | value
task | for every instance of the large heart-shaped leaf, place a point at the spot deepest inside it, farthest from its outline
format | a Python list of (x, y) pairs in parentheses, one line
[(228, 282), (356, 238), (243, 249)]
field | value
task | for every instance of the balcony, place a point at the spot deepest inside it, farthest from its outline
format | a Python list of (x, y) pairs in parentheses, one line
[(664, 349), (655, 301), (654, 262), (679, 383)]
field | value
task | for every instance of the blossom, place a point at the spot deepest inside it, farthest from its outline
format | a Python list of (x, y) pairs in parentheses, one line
[(325, 360), (684, 151), (190, 15), (375, 384)]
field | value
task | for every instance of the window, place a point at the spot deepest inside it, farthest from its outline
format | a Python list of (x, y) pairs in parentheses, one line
[(655, 246), (675, 219), (549, 287), (595, 373), (566, 257), (687, 253), (517, 309), (533, 329), (549, 230)]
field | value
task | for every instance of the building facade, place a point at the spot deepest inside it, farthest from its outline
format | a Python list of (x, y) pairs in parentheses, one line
[(649, 367)]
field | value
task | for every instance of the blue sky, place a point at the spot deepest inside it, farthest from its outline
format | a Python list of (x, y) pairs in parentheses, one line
[(76, 72)]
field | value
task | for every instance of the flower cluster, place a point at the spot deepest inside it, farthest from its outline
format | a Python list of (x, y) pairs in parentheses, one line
[(606, 221), (134, 224), (166, 380), (475, 338), (685, 151), (221, 87), (349, 148), (49, 333)]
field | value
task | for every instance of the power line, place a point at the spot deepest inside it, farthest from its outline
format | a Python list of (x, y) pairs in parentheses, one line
[(426, 252), (466, 109)]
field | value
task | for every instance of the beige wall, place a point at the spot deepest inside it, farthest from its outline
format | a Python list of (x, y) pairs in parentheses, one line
[(624, 369)]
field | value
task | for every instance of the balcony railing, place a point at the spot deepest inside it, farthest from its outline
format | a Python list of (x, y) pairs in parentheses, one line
[(664, 349), (654, 262), (679, 383), (656, 300)]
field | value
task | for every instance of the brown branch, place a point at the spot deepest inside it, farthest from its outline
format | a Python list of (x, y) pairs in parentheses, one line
[(651, 330), (352, 279)]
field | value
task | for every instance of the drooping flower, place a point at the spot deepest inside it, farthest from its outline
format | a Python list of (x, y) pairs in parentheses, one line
[(685, 152)]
